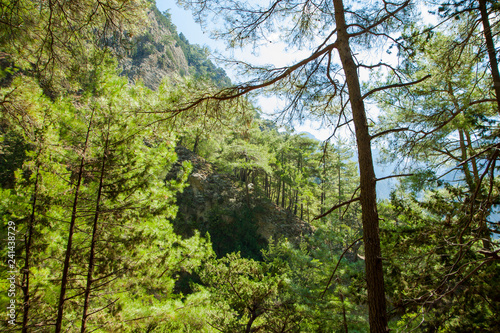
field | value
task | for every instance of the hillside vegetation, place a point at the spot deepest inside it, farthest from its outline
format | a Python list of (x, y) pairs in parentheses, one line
[(142, 191)]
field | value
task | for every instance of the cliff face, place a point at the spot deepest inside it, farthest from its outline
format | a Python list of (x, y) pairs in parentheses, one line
[(160, 51), (154, 54), (218, 204)]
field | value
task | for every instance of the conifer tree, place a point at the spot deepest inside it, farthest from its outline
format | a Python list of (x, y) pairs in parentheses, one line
[(329, 29), (447, 125), (28, 114)]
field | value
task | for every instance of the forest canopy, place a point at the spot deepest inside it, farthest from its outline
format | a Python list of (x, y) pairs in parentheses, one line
[(143, 191)]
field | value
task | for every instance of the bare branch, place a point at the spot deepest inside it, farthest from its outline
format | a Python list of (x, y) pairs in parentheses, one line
[(336, 207), (239, 91), (395, 176), (107, 306), (394, 130), (397, 85), (381, 20), (336, 266)]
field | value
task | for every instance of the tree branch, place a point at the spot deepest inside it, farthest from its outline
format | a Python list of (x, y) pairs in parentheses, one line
[(336, 266), (394, 130), (381, 20), (336, 207), (397, 85), (107, 306), (394, 176), (238, 91)]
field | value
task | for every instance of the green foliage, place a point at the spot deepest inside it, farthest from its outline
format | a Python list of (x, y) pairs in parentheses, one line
[(320, 296), (200, 65), (438, 229), (144, 46), (58, 41), (78, 143), (235, 231), (165, 19), (13, 154), (434, 283), (246, 295), (123, 198)]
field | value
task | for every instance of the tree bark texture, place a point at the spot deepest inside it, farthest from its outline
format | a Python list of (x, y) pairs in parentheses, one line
[(368, 198), (491, 50)]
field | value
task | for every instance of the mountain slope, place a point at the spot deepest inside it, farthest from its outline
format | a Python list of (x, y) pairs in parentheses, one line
[(161, 52), (216, 203)]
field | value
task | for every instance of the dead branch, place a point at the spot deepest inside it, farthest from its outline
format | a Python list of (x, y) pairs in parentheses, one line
[(337, 207), (336, 266)]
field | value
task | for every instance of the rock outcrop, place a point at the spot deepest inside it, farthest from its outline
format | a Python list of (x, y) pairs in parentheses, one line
[(217, 203), (154, 55)]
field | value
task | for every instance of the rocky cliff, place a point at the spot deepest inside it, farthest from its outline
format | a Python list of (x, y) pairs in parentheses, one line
[(154, 54), (216, 203), (237, 219), (161, 52)]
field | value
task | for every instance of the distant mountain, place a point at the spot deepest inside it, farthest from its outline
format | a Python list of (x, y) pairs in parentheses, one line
[(309, 135)]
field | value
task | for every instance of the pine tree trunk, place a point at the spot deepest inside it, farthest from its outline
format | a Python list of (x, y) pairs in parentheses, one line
[(473, 160), (308, 215), (368, 198), (344, 318), (296, 202), (64, 279), (283, 196), (252, 318), (465, 166), (196, 142), (322, 202), (278, 192), (266, 186), (26, 269), (93, 242), (491, 50)]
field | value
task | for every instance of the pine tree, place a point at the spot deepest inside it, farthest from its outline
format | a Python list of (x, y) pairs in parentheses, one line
[(309, 86)]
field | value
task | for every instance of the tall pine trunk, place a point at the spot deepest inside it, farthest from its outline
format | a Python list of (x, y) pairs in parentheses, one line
[(64, 279), (296, 201), (490, 45), (93, 242), (475, 170), (26, 269), (368, 198), (278, 192), (465, 166), (283, 196)]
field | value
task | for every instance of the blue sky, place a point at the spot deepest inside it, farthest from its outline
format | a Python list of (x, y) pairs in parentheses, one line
[(275, 53), (185, 23)]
